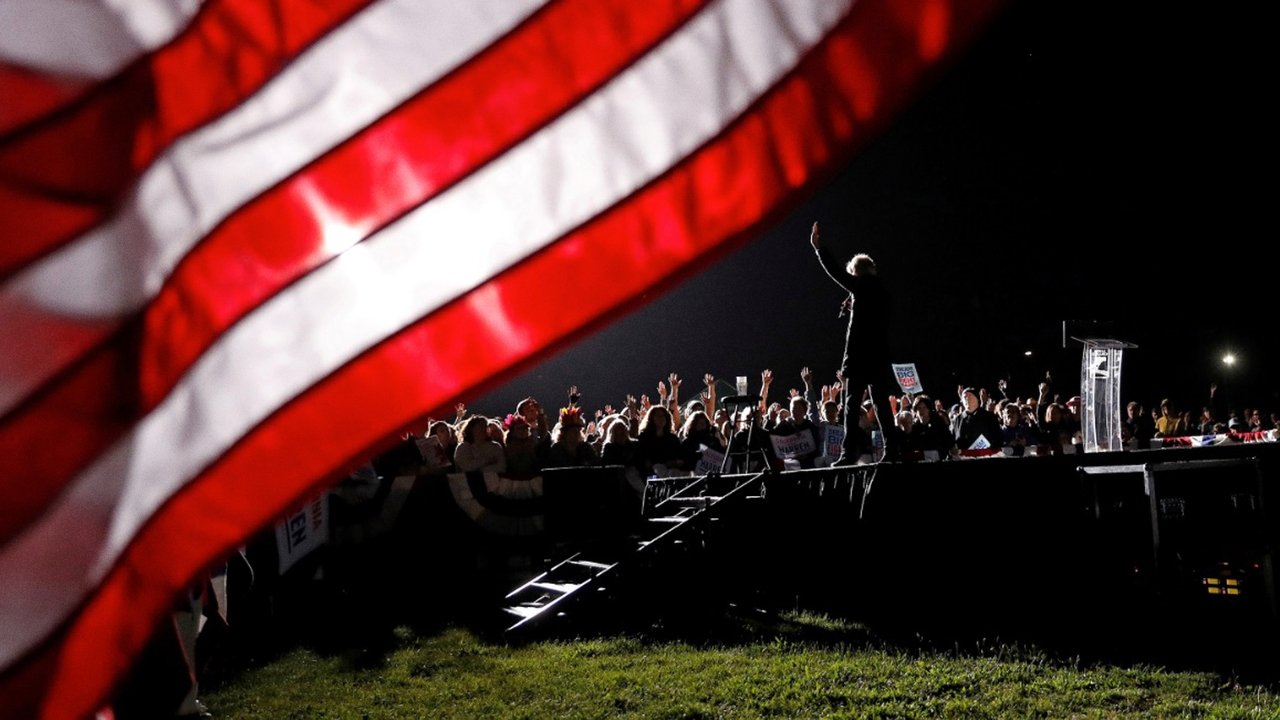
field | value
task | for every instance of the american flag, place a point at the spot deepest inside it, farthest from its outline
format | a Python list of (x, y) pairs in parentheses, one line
[(247, 242)]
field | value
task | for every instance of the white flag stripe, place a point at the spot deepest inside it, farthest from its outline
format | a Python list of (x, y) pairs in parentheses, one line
[(379, 286), (321, 99), (88, 40), (617, 141)]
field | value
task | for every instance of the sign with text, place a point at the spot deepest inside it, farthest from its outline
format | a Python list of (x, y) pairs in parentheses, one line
[(834, 440), (433, 453), (302, 531), (709, 461), (790, 446), (908, 378)]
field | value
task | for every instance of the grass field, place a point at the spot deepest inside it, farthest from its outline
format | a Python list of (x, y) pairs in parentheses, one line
[(992, 612), (796, 666)]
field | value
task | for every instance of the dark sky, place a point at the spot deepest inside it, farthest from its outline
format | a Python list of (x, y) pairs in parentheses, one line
[(1083, 162)]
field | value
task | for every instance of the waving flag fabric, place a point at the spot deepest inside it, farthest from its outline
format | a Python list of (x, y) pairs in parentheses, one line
[(246, 242)]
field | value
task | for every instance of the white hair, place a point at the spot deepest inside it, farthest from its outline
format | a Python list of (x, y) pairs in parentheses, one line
[(861, 264)]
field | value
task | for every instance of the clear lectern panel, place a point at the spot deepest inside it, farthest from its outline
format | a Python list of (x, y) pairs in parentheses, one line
[(1100, 403)]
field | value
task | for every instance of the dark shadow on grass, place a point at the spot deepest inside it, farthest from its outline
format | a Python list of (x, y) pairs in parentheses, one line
[(362, 611), (809, 579)]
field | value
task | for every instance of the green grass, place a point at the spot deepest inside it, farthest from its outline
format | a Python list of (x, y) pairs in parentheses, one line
[(803, 667)]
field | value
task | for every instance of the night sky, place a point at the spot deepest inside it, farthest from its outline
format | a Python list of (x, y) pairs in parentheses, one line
[(1092, 164)]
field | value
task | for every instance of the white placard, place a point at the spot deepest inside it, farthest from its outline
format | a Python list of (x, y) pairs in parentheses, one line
[(710, 461), (908, 378), (790, 446), (302, 531), (834, 440)]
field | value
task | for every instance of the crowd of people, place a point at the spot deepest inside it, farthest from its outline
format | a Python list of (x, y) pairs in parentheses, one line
[(663, 436), (842, 424)]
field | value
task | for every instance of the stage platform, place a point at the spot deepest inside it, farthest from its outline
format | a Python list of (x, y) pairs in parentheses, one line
[(1158, 545)]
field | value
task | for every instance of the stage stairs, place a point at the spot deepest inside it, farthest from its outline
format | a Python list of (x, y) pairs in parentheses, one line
[(676, 523)]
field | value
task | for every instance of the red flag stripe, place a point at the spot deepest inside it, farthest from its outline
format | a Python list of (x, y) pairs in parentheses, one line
[(439, 138), (29, 95), (317, 103), (210, 292), (65, 175), (450, 137), (803, 128), (459, 338), (377, 287)]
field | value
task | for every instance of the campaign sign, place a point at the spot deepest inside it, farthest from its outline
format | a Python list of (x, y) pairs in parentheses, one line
[(709, 461), (302, 531), (834, 440), (789, 446), (908, 378)]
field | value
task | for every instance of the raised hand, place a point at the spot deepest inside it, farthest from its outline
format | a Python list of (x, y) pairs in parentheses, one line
[(460, 410), (608, 409), (662, 390), (631, 401), (807, 376), (708, 380), (674, 379), (793, 393), (644, 403), (766, 377)]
